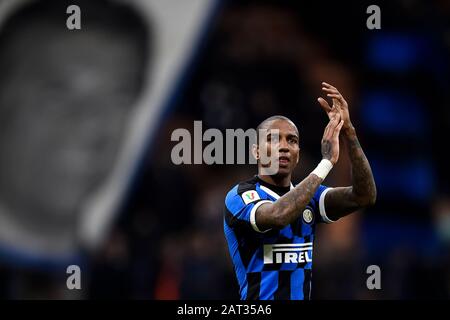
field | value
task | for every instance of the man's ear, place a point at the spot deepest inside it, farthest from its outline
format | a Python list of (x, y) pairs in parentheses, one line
[(255, 151), (298, 157)]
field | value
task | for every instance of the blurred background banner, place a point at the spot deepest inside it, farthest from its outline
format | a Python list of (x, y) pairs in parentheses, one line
[(78, 110), (86, 119)]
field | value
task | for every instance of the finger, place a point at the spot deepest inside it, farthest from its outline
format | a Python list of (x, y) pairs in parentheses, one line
[(335, 119), (335, 95), (338, 120), (338, 96), (334, 134), (324, 104), (331, 90), (325, 133), (336, 107), (328, 85), (328, 128), (338, 129), (338, 103), (334, 122)]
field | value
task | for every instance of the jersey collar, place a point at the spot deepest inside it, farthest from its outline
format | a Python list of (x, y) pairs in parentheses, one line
[(273, 190)]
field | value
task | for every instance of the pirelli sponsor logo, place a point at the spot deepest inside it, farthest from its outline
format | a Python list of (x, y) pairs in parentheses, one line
[(288, 253)]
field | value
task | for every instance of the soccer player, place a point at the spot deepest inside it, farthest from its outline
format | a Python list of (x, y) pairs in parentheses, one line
[(269, 224)]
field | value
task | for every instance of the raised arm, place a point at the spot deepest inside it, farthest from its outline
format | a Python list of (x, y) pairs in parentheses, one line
[(288, 207), (341, 201)]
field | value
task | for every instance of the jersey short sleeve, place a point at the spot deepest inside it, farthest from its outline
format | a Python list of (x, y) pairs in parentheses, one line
[(319, 204), (240, 208)]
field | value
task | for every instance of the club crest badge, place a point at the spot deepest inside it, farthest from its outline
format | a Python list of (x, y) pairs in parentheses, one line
[(308, 215)]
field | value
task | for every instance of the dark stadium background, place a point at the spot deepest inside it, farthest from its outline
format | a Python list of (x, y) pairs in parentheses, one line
[(260, 58)]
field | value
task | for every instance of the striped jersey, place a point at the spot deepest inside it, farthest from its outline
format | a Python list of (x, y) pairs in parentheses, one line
[(274, 264)]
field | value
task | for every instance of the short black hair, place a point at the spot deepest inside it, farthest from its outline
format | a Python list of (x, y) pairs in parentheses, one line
[(265, 123)]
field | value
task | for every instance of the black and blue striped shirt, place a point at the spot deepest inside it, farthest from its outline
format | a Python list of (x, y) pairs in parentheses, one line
[(275, 264)]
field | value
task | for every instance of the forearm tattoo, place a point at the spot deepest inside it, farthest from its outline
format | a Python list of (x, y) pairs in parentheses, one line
[(292, 203), (326, 150), (362, 177)]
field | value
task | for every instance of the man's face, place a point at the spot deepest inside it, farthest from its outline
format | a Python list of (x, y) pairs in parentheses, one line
[(64, 110), (287, 145)]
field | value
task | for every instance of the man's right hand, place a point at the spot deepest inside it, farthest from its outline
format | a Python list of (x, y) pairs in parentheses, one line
[(330, 139)]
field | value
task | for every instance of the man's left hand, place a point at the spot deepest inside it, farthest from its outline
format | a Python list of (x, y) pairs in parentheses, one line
[(339, 105)]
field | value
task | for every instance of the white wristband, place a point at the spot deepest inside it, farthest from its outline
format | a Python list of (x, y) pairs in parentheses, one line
[(323, 168)]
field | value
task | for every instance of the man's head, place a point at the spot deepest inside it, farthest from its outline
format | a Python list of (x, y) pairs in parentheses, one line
[(64, 107), (277, 136)]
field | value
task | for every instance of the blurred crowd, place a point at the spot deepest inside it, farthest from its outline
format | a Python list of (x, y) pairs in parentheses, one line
[(262, 58)]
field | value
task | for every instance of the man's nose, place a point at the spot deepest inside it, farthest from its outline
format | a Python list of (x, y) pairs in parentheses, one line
[(283, 146)]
